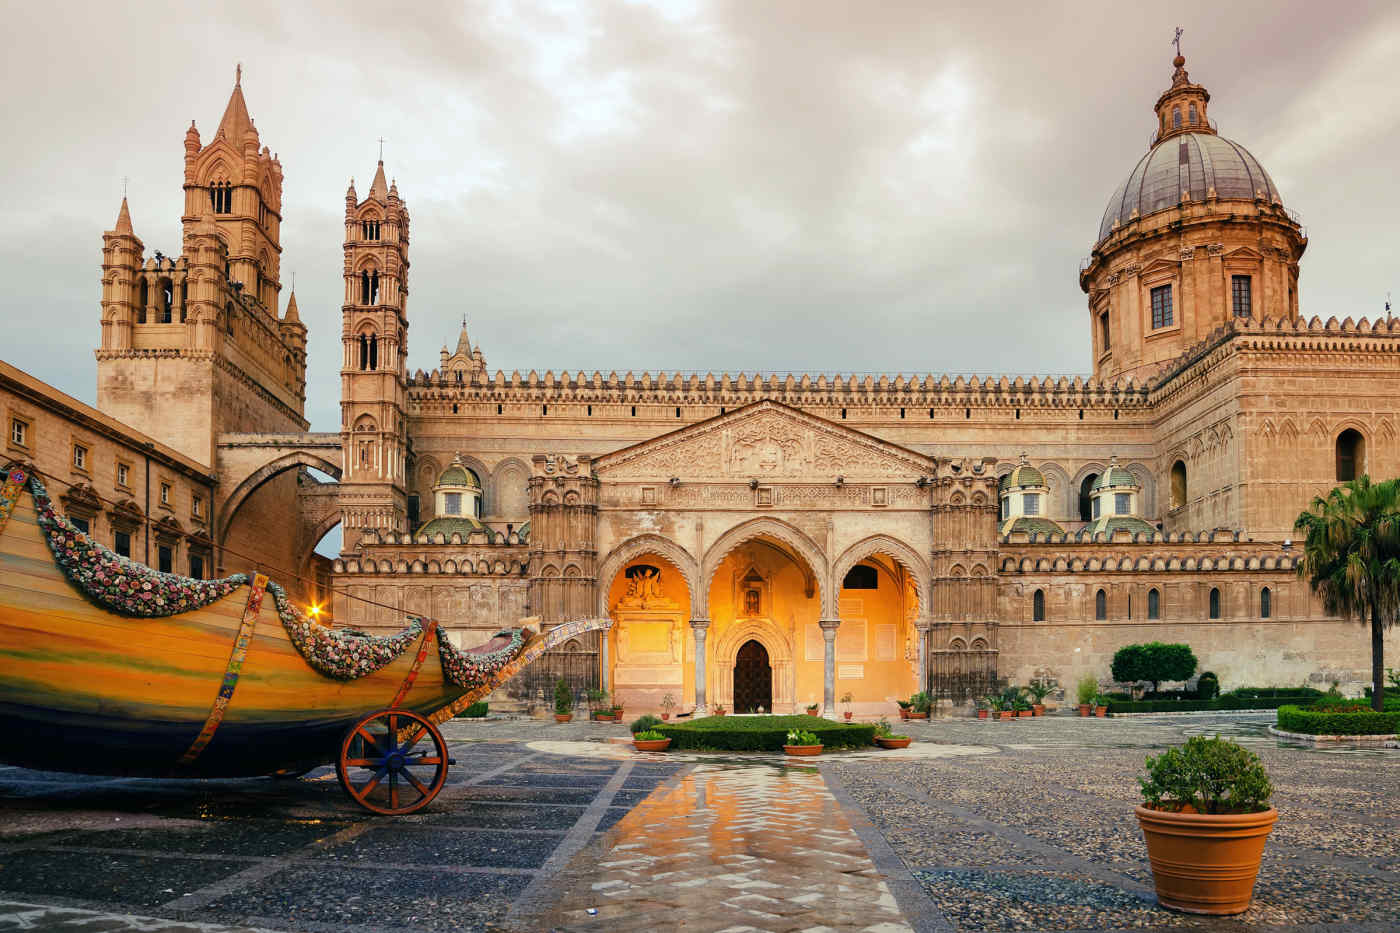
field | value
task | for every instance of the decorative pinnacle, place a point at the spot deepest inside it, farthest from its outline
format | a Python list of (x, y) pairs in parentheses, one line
[(238, 75)]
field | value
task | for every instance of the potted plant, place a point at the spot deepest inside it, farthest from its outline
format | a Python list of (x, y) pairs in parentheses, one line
[(563, 702), (1086, 690), (904, 707), (1101, 706), (886, 738), (920, 705), (984, 704), (1039, 690), (1206, 816), (846, 699), (650, 741), (812, 709), (717, 710), (802, 743), (1001, 708), (668, 703)]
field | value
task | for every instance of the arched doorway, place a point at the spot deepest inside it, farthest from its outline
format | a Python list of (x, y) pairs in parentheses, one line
[(753, 679)]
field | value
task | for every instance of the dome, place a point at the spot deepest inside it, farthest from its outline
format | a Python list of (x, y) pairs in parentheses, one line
[(452, 524), (1023, 475), (1031, 525), (1110, 524), (1114, 476), (458, 475), (1193, 162)]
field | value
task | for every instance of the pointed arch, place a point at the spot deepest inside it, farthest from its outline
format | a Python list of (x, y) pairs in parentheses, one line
[(803, 547), (896, 550), (658, 546)]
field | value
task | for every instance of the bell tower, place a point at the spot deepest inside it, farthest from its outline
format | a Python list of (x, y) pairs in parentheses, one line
[(374, 337)]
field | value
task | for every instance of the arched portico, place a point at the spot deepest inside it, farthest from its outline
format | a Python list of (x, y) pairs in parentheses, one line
[(775, 641), (646, 586)]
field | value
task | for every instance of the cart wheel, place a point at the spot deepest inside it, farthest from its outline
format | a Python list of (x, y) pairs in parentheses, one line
[(389, 776)]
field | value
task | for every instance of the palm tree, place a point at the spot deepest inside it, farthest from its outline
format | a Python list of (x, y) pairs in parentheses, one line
[(1351, 557)]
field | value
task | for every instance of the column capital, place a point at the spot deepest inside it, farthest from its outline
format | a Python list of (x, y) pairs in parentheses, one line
[(829, 625), (923, 624), (700, 624)]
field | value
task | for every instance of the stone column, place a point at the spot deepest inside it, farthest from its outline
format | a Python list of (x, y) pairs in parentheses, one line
[(700, 626), (829, 627), (923, 626)]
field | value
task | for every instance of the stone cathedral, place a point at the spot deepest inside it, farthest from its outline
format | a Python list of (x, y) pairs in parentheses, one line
[(773, 541)]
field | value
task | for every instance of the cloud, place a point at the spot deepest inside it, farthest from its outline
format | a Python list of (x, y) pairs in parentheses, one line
[(688, 186)]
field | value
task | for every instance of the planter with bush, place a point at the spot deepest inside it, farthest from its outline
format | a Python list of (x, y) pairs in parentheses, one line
[(643, 723), (1085, 692), (763, 733), (563, 701), (650, 741), (1039, 690), (1205, 817), (885, 737), (846, 700), (668, 703), (920, 705), (802, 743)]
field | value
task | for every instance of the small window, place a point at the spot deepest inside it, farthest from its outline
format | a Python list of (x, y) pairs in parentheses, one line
[(1122, 503), (1176, 118), (457, 376), (1214, 602), (1097, 506), (19, 432), (1006, 508), (166, 558), (1038, 606), (1100, 605), (1191, 113), (1239, 295), (1086, 498), (452, 503), (80, 457), (1351, 455), (1154, 604), (80, 523), (1266, 603), (197, 506), (1030, 503), (121, 543), (164, 493), (123, 474), (1103, 333), (197, 566), (414, 511), (1161, 306), (1178, 484), (861, 577)]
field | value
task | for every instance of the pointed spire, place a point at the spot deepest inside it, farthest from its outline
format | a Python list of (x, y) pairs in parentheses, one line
[(291, 316), (464, 346), (124, 220), (236, 123), (380, 188)]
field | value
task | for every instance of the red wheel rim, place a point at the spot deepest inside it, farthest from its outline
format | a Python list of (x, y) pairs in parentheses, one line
[(392, 762)]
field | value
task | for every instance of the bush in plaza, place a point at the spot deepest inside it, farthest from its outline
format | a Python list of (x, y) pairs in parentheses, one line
[(1207, 686), (763, 733), (1355, 720), (644, 723), (1153, 662)]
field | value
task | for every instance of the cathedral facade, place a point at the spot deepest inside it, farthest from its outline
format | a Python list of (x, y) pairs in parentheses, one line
[(767, 541)]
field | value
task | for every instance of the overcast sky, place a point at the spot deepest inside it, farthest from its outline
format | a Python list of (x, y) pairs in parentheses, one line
[(888, 187)]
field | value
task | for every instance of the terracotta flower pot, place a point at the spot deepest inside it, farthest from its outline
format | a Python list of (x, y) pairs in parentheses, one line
[(982, 714), (847, 714), (1100, 711), (1085, 709), (665, 716), (1025, 713), (892, 743), (1205, 863), (1005, 714), (717, 712), (803, 751), (651, 745), (811, 711), (918, 715), (1038, 709), (903, 713), (563, 717)]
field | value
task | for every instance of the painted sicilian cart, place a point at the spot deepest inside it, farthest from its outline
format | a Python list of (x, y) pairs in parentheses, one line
[(109, 667)]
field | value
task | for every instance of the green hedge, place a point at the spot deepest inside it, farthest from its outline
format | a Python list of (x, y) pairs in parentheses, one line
[(1254, 693), (763, 733), (1198, 706), (1328, 722)]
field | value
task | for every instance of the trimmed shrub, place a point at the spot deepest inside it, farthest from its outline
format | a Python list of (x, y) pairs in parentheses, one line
[(763, 733), (1226, 702), (563, 698), (1337, 722), (1130, 664), (1207, 686), (643, 723), (1153, 662), (1305, 693), (1212, 775), (475, 711)]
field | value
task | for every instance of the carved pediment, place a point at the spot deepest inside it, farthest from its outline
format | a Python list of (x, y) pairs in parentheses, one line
[(769, 442)]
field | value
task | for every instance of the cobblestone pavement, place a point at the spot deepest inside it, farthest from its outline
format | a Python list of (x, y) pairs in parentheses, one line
[(1025, 825)]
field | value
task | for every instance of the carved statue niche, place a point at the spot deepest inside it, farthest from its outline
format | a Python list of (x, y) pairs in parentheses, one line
[(751, 591), (644, 589)]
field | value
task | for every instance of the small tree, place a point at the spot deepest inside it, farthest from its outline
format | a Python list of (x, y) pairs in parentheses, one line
[(1153, 662), (563, 698), (1130, 664), (1351, 558)]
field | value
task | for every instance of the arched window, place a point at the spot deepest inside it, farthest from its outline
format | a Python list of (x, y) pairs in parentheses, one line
[(364, 352), (184, 300), (1176, 118), (1266, 603), (1100, 605), (1154, 604), (167, 300), (1178, 484), (1038, 606), (1191, 112), (221, 197), (142, 295), (373, 353), (364, 287), (1086, 501), (374, 286), (1215, 602), (1351, 455)]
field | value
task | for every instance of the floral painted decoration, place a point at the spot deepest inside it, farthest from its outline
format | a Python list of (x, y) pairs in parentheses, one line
[(469, 669), (340, 653), (117, 583)]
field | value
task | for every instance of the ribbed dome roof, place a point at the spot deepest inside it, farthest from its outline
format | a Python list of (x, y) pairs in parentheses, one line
[(1191, 162), (1023, 475), (458, 475), (449, 524), (1114, 476)]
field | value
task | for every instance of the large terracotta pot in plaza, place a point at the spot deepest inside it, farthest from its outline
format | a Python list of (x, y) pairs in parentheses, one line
[(1205, 863), (651, 745), (802, 751)]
